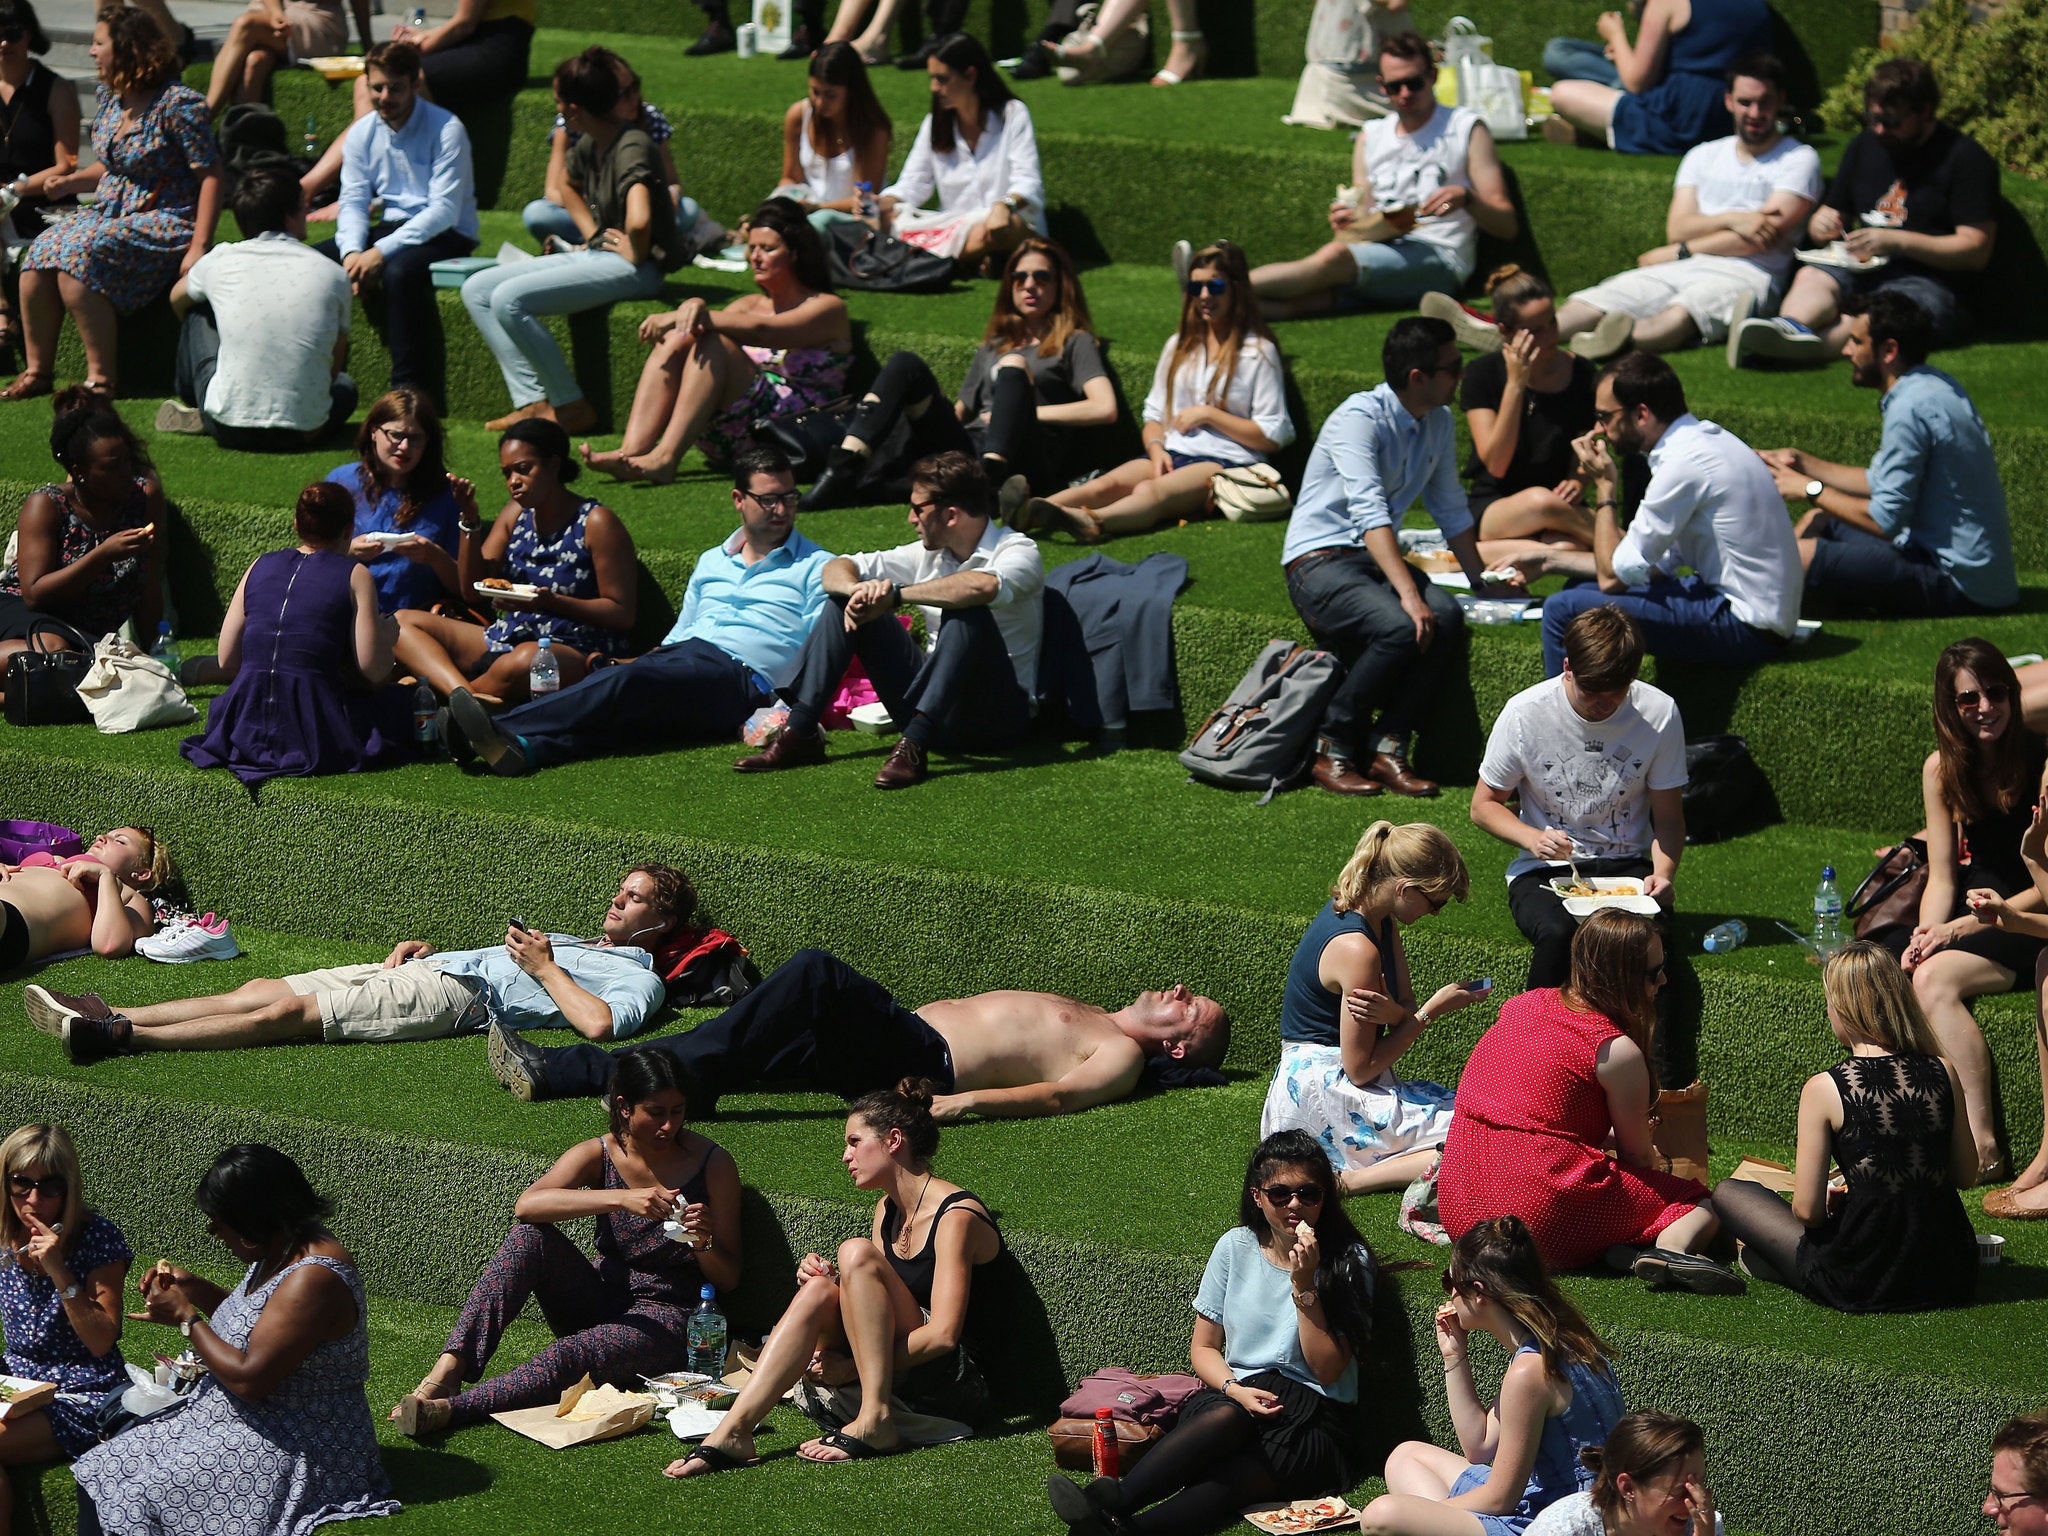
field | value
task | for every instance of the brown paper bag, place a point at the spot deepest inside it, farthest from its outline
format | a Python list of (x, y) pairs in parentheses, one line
[(561, 1426), (1761, 1170)]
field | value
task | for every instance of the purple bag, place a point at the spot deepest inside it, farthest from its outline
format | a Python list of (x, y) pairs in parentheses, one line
[(19, 839), (1127, 1395)]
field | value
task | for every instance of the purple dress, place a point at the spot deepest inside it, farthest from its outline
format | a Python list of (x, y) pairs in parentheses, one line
[(297, 708), (43, 1346)]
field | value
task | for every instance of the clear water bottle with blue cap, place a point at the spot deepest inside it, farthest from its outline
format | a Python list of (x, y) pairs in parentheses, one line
[(1723, 937), (1827, 914), (545, 675)]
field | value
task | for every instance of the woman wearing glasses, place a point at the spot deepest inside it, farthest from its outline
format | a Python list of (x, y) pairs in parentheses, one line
[(60, 1300), (407, 515), (1979, 786), (1349, 1013), (1218, 399), (1037, 375), (1282, 1315), (1561, 1072)]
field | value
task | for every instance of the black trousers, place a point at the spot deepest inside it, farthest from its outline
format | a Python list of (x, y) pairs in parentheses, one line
[(815, 1022), (674, 695), (408, 287), (199, 360), (1539, 912), (1012, 432), (964, 693), (1352, 612), (491, 62)]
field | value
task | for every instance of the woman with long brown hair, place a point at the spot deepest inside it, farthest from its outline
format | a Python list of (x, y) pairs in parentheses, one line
[(408, 507), (1037, 374), (1519, 1454), (834, 139), (1979, 786), (1561, 1072), (1218, 399)]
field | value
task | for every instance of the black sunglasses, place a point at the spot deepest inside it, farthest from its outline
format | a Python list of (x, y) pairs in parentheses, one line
[(1280, 1194), (1215, 286), (1404, 87), (1043, 277), (51, 1184), (1983, 693), (13, 34)]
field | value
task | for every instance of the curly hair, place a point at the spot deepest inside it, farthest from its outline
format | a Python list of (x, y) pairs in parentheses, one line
[(140, 57)]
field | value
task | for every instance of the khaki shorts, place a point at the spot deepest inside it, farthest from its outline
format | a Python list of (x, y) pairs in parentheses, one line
[(414, 1001), (1708, 288), (317, 31)]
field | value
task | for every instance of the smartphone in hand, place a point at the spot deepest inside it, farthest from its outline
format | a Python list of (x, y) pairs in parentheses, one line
[(1478, 986), (519, 924)]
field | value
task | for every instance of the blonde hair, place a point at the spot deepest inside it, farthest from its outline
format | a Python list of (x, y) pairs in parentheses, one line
[(45, 1150), (1419, 853), (1870, 994), (1510, 288), (160, 871)]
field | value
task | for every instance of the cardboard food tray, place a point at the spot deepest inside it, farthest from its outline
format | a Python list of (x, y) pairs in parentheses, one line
[(1302, 1515), (1836, 254), (336, 66), (553, 1427), (517, 589), (1585, 906), (25, 1396)]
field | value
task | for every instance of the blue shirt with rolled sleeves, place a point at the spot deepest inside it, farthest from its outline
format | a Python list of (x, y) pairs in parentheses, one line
[(619, 975), (1372, 461), (1934, 485), (422, 173), (757, 614)]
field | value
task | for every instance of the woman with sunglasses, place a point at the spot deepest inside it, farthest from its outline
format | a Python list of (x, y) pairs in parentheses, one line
[(1282, 1315), (1979, 786), (1561, 1074), (407, 527), (1349, 1014), (575, 553), (1037, 375), (1219, 399), (1520, 1453), (60, 1300)]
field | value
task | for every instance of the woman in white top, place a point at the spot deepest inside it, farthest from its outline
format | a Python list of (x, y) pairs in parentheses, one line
[(1649, 1479), (977, 150), (1218, 399), (834, 139)]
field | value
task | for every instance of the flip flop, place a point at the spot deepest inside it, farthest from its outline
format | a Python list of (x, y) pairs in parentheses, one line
[(855, 1450), (716, 1460)]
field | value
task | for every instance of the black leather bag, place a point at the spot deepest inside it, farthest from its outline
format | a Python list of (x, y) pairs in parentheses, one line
[(808, 436), (1726, 793), (42, 684), (861, 257)]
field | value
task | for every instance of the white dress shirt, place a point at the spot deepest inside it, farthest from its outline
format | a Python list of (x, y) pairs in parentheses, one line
[(1258, 392), (1003, 164), (1019, 603)]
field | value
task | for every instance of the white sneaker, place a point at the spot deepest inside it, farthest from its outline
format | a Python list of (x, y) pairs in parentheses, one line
[(176, 416), (1475, 332), (189, 939), (1183, 261), (1611, 334), (1777, 339), (1745, 305)]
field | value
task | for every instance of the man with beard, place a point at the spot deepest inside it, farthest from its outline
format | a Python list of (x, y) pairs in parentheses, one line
[(1923, 530), (1737, 208), (1926, 199), (1711, 505)]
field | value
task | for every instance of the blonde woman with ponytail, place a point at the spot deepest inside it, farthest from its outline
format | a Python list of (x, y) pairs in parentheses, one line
[(1896, 1239), (1349, 1013)]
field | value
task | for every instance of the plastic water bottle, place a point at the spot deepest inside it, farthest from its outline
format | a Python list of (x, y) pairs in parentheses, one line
[(1827, 914), (546, 673), (419, 18), (165, 650), (869, 207), (1723, 937), (312, 139), (425, 711), (707, 1336)]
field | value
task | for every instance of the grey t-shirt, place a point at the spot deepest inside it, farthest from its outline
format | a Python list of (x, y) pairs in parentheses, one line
[(1057, 380), (605, 178)]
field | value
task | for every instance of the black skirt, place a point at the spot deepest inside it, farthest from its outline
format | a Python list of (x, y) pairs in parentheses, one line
[(1308, 1446)]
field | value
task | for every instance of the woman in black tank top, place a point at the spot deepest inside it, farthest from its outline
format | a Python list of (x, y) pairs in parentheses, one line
[(881, 1329)]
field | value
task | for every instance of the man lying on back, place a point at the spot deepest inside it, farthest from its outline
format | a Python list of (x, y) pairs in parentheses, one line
[(818, 1023)]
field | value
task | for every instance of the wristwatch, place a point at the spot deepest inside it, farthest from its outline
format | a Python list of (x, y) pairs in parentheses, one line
[(70, 1292), (1813, 489), (1305, 1299), (1684, 251), (190, 1323)]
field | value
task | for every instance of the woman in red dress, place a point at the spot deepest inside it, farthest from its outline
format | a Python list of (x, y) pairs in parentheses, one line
[(1559, 1073)]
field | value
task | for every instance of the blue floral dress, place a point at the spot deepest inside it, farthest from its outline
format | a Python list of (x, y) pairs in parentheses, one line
[(127, 247), (112, 594), (43, 1346), (562, 565), (214, 1465)]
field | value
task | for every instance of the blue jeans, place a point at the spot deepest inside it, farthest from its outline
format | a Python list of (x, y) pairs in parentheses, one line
[(506, 302), (1863, 573), (1682, 619), (1398, 272), (673, 696), (1573, 58), (543, 218)]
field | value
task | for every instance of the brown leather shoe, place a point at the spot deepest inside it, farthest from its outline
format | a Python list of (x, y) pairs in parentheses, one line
[(1341, 777), (788, 749), (906, 766), (1393, 772)]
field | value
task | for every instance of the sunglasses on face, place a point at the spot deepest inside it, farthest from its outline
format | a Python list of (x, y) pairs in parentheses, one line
[(1984, 693), (1037, 277), (1890, 122), (1404, 87), (13, 34), (1215, 287), (1601, 418), (1281, 1194), (23, 1186)]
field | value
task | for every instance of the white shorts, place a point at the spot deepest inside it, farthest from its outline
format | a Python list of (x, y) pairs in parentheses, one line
[(1708, 288), (414, 1001)]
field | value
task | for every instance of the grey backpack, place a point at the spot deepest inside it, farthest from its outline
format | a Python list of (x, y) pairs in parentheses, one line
[(1264, 734)]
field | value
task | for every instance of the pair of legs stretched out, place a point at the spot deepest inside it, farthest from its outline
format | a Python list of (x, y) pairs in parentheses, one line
[(449, 653), (688, 381)]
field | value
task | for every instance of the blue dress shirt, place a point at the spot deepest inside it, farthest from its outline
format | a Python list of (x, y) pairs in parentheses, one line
[(1934, 485), (757, 614), (422, 172), (1372, 460)]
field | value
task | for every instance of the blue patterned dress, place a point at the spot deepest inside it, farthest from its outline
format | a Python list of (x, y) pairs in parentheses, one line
[(127, 247), (561, 565), (214, 1465), (43, 1346)]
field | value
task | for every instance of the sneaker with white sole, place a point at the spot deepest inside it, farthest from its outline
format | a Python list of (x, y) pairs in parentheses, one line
[(176, 416), (1476, 332), (1774, 340), (182, 942), (1745, 306), (1183, 261), (1611, 334)]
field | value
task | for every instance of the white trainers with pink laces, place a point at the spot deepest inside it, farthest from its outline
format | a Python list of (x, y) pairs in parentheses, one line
[(186, 939)]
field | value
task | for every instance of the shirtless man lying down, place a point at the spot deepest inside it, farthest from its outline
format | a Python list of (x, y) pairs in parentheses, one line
[(818, 1023)]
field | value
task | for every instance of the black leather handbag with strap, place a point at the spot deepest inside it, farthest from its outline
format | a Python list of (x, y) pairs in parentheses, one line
[(42, 682), (1889, 897)]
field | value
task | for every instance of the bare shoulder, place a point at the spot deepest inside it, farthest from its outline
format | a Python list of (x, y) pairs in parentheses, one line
[(1617, 1054)]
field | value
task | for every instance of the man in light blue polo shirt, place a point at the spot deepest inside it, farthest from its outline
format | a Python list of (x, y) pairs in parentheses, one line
[(751, 601), (413, 156), (1392, 628), (1924, 530)]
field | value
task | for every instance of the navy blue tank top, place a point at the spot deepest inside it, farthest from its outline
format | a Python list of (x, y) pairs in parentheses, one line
[(1310, 1013)]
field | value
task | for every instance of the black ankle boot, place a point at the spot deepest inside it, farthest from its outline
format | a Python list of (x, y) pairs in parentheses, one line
[(839, 484)]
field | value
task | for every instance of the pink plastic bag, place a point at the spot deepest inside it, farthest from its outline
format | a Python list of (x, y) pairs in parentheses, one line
[(855, 689)]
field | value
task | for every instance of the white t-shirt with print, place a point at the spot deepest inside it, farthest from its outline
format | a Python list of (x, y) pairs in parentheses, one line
[(279, 306), (1406, 168), (1727, 182), (1589, 778)]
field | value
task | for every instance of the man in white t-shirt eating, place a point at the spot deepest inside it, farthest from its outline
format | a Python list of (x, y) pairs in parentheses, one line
[(1596, 758), (1738, 208)]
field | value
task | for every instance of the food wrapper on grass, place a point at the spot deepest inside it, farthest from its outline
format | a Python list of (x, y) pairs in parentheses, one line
[(585, 1415), (1302, 1515)]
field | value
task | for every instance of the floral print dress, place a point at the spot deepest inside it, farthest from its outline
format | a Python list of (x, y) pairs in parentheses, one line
[(128, 246), (561, 564), (111, 596), (43, 1346), (789, 380)]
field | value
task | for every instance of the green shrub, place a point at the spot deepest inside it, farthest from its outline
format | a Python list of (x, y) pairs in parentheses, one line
[(1994, 77)]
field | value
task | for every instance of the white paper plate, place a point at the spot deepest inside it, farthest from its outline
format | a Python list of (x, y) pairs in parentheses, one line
[(693, 1421), (1836, 254), (1585, 906), (388, 539), (517, 589)]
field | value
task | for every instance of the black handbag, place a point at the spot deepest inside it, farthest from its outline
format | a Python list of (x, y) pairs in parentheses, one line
[(1888, 900), (42, 685), (861, 257), (1726, 793), (808, 436)]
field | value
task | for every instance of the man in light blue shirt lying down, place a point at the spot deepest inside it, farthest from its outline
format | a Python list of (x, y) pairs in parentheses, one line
[(604, 988), (1924, 530)]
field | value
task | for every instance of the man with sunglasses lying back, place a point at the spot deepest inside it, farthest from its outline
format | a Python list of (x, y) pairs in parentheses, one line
[(817, 1023), (750, 602)]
